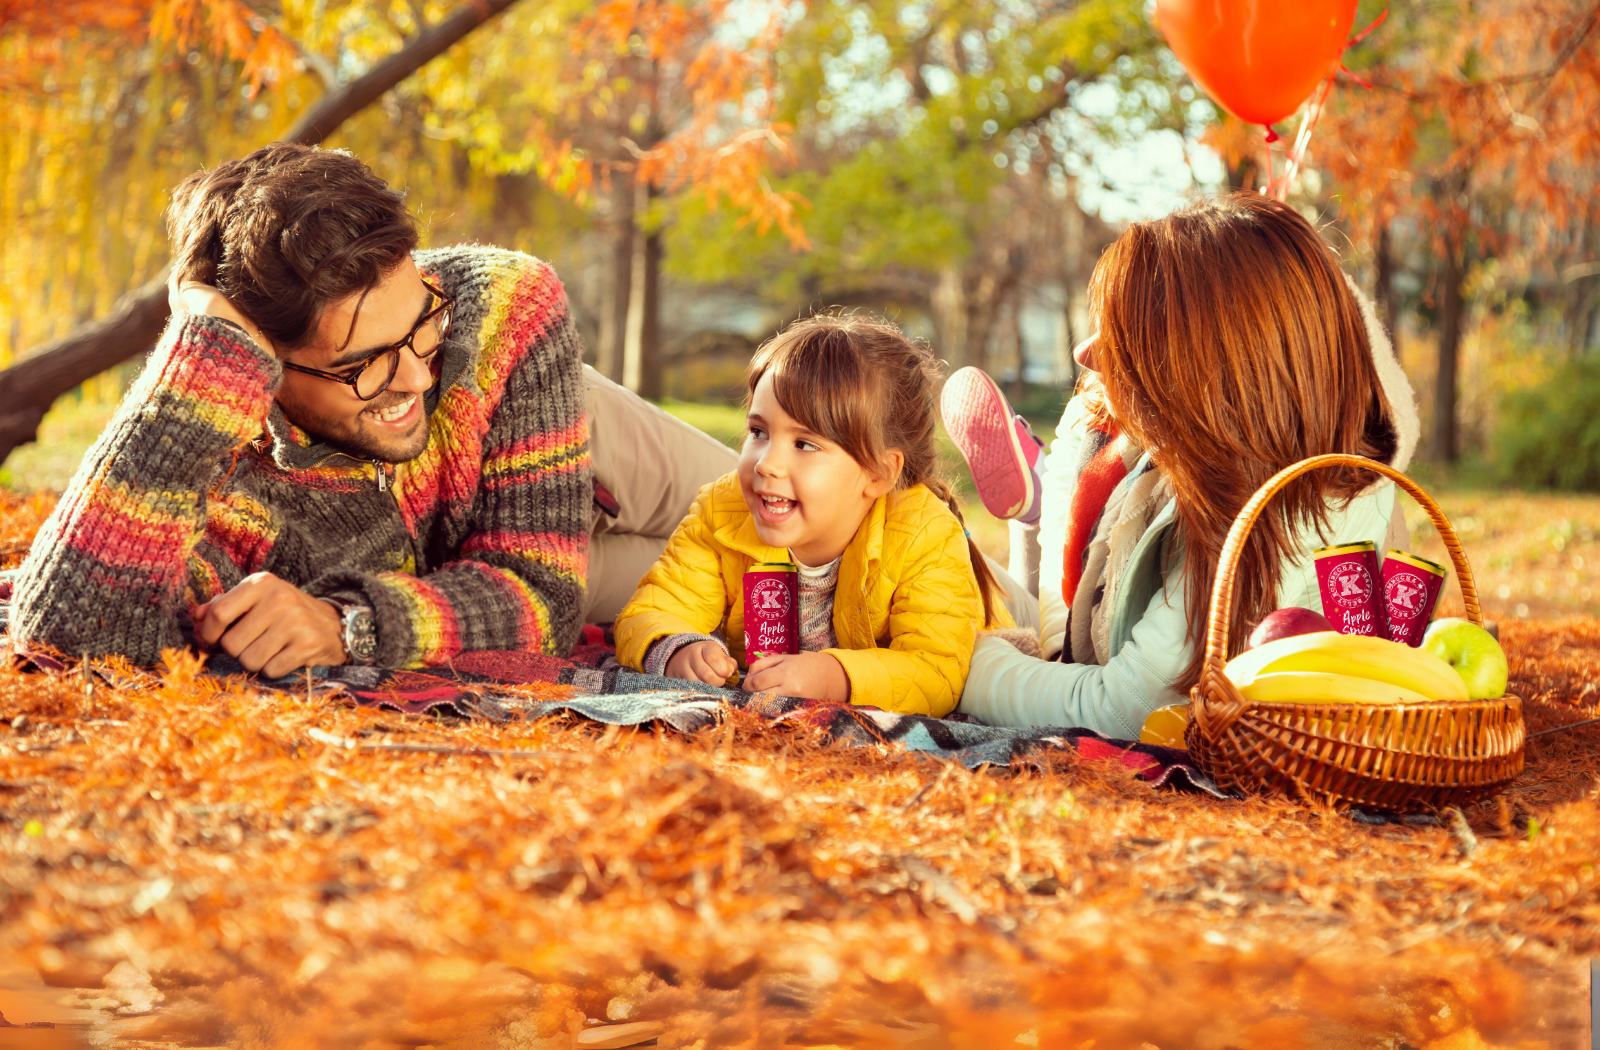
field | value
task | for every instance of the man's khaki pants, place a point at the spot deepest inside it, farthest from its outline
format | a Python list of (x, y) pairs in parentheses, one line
[(653, 464)]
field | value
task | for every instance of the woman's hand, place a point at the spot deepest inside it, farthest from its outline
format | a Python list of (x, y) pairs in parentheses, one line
[(192, 297), (815, 675), (705, 662)]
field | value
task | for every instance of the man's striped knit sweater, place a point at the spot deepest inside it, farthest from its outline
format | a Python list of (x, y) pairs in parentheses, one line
[(481, 542)]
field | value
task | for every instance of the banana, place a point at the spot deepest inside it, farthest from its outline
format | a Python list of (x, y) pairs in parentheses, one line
[(1357, 655), (1320, 687)]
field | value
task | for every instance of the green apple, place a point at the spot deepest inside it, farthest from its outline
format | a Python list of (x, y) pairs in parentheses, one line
[(1473, 652)]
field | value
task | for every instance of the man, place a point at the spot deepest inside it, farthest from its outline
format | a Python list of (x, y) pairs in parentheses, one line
[(344, 449)]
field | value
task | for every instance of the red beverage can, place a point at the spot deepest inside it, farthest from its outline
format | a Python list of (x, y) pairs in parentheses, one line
[(1411, 587), (771, 610), (1352, 588)]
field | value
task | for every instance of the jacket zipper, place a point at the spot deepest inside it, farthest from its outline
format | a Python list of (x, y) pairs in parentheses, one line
[(380, 469)]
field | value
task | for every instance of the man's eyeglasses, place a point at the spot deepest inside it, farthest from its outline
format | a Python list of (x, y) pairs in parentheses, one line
[(373, 376)]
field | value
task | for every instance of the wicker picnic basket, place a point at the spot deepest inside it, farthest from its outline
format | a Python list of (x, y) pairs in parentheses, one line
[(1391, 757)]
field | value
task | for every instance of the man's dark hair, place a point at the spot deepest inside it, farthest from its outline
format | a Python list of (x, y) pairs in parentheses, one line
[(286, 231)]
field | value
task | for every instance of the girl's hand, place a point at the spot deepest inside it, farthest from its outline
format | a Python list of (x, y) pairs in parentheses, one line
[(815, 675), (704, 662)]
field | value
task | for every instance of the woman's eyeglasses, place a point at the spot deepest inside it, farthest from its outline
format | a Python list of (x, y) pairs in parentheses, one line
[(373, 376)]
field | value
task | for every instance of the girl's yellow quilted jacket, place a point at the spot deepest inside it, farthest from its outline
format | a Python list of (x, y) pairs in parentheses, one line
[(906, 610)]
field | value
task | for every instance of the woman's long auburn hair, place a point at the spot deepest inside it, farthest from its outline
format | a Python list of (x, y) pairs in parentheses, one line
[(862, 384), (1230, 346)]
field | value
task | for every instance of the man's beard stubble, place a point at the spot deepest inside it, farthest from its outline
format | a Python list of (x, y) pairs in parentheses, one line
[(349, 435)]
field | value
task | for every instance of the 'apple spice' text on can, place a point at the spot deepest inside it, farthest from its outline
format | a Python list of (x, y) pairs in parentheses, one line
[(1352, 588), (771, 610), (1411, 587)]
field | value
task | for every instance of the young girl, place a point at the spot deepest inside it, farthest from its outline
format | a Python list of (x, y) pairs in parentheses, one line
[(839, 474), (1229, 346)]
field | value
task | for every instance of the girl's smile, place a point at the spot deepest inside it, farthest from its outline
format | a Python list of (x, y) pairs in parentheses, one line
[(775, 509)]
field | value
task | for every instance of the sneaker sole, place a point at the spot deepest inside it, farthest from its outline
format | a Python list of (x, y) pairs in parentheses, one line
[(984, 431)]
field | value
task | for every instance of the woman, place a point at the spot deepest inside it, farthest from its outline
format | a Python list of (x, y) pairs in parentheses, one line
[(1229, 346)]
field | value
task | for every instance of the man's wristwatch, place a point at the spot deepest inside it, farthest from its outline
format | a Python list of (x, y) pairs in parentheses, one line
[(360, 635)]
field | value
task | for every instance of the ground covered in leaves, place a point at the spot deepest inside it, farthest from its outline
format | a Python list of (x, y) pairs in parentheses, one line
[(193, 863)]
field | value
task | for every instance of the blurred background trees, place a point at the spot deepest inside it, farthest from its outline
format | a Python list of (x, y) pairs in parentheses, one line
[(1468, 174), (700, 171)]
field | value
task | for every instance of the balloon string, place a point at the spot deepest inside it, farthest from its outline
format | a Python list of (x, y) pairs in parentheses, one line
[(1278, 188), (1376, 22)]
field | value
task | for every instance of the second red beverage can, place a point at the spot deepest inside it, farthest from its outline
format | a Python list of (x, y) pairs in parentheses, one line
[(771, 610), (1411, 587), (1352, 588)]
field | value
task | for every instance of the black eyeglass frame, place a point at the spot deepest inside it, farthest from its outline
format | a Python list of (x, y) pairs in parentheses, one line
[(351, 376)]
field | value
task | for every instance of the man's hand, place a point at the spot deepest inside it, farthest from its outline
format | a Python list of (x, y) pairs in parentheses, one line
[(704, 662), (272, 626), (192, 297), (815, 675)]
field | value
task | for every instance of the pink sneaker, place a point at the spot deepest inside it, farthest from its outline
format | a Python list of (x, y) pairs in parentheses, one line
[(997, 444)]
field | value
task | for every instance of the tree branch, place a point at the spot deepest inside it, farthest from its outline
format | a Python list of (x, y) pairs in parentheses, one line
[(48, 371), (336, 107)]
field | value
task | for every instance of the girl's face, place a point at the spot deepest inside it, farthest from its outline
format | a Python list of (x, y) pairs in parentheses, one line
[(805, 493)]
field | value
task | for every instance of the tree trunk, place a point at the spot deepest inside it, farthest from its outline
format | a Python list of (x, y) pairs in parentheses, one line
[(983, 310), (1452, 309), (993, 284), (641, 369), (1383, 293), (1581, 295), (614, 300), (53, 370), (1066, 366), (1012, 345), (48, 371), (1073, 265), (949, 303), (650, 377)]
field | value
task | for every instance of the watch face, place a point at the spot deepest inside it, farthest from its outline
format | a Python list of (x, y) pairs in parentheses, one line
[(360, 637)]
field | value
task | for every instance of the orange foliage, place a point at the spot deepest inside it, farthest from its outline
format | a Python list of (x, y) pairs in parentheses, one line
[(698, 150), (1482, 118), (39, 29), (37, 33), (215, 864), (229, 29)]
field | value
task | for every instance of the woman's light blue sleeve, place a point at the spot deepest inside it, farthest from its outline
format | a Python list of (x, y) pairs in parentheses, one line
[(1006, 687)]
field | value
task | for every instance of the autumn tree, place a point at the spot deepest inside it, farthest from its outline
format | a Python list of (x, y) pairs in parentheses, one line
[(111, 102), (624, 110), (629, 109), (939, 150), (1480, 138)]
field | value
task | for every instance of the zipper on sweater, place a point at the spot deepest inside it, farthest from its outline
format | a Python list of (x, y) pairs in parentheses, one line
[(381, 469)]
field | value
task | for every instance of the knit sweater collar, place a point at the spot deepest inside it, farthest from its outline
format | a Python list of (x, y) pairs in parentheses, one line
[(292, 448)]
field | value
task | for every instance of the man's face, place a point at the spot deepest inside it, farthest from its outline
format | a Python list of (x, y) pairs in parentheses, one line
[(392, 426)]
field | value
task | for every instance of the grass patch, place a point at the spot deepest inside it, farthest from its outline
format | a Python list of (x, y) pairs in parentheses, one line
[(66, 433)]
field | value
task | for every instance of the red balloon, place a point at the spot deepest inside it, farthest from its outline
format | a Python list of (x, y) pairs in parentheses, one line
[(1258, 58)]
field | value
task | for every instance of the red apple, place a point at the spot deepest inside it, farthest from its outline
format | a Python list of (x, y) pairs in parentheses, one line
[(1286, 623)]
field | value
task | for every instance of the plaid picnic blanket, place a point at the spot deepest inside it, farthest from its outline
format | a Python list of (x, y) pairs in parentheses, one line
[(603, 690)]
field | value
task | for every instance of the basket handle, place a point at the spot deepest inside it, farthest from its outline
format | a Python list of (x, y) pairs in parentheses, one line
[(1222, 588)]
